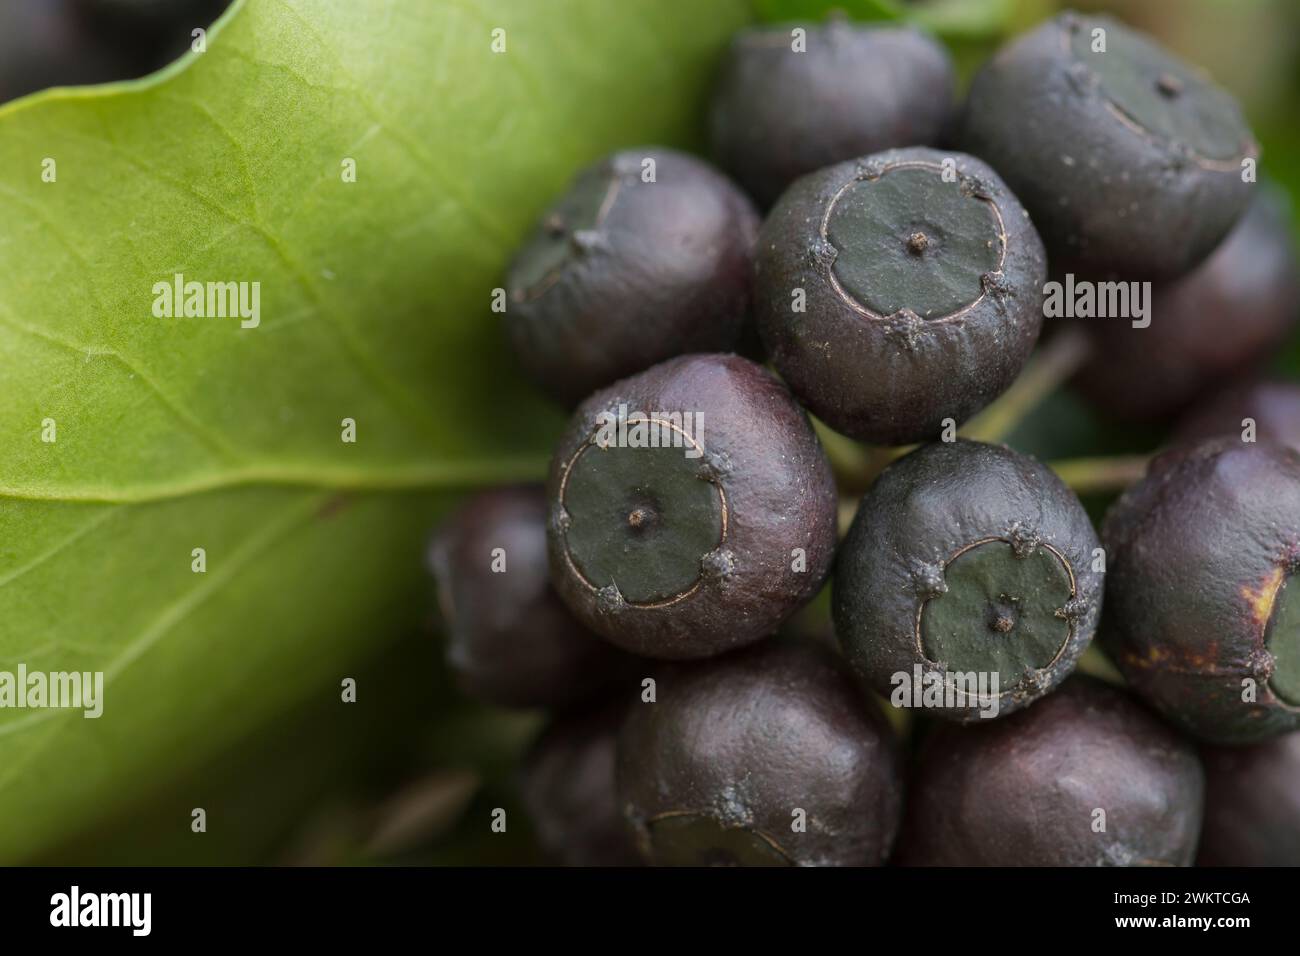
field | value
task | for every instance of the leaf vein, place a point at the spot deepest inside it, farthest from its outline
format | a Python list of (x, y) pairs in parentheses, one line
[(486, 221), (172, 615), (58, 547), (196, 427)]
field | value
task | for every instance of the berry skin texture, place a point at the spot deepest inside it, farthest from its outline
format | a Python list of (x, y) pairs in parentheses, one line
[(1037, 788), (778, 114), (1200, 615), (714, 772), (621, 273), (1129, 160), (511, 641), (967, 558), (1274, 407), (567, 786), (688, 551), (1217, 322), (1252, 804), (899, 290)]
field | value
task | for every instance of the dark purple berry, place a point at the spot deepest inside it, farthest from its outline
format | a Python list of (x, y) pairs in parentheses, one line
[(511, 641), (1129, 160), (967, 563), (1252, 804), (692, 508), (647, 256), (791, 99), (1216, 323), (1085, 777), (899, 291), (567, 786), (769, 756), (1200, 613)]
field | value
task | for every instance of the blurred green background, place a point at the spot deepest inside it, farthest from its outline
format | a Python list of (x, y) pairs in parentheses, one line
[(412, 776)]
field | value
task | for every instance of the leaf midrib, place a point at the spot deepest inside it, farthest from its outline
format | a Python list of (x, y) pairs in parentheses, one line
[(421, 476)]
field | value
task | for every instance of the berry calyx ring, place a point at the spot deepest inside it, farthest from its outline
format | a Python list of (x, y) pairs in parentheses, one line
[(890, 253), (643, 521), (567, 232), (1159, 97), (1004, 608)]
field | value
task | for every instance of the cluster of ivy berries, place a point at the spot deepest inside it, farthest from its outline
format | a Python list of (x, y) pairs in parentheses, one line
[(878, 258)]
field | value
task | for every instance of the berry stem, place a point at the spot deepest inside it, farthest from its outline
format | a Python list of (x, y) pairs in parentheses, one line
[(1095, 663), (855, 465), (1046, 371), (1099, 475), (849, 459), (847, 509)]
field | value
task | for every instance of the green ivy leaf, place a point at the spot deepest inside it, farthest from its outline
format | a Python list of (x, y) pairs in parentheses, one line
[(176, 434)]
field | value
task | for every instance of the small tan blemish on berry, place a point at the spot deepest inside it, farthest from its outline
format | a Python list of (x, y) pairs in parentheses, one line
[(1260, 600)]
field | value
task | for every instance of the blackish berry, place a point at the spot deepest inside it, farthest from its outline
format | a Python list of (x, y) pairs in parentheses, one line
[(1200, 612), (647, 256), (967, 561), (790, 100), (899, 290), (45, 44), (769, 756), (1085, 777), (567, 786), (1217, 322), (511, 641), (1252, 804), (1129, 160), (151, 32), (692, 508), (1271, 410)]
